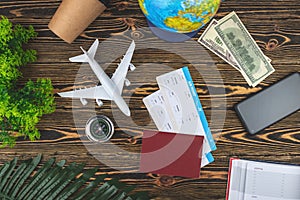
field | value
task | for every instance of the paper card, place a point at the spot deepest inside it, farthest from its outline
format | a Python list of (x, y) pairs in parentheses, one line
[(171, 154), (156, 105), (163, 118), (180, 94)]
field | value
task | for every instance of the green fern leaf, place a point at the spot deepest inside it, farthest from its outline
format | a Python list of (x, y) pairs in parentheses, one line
[(71, 172), (9, 171), (3, 169), (71, 189), (25, 175), (106, 193), (37, 177), (15, 177), (44, 180), (88, 188), (121, 196), (56, 182), (5, 197)]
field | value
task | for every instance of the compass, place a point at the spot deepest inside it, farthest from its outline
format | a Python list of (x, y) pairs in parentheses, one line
[(99, 128)]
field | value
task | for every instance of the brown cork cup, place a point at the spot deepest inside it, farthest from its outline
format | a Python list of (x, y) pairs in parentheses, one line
[(73, 17)]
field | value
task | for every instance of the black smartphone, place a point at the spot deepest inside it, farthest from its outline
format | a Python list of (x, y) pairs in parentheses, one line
[(270, 105)]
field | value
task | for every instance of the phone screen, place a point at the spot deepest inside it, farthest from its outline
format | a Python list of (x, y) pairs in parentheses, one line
[(270, 105)]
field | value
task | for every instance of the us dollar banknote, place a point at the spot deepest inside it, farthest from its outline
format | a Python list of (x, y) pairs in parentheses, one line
[(211, 40), (253, 64)]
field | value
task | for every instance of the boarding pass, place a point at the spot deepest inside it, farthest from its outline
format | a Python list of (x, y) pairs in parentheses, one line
[(177, 108)]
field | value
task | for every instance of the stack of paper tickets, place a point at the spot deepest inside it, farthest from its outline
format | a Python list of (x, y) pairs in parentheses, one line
[(176, 108)]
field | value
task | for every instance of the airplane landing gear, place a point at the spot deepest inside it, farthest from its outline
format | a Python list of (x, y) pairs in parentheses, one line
[(132, 67), (83, 101), (127, 82)]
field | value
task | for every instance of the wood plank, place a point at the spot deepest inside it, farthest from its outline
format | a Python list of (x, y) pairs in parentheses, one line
[(275, 25)]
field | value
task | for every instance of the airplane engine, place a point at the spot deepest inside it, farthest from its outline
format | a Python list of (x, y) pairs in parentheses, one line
[(83, 101), (99, 102), (132, 67), (127, 82)]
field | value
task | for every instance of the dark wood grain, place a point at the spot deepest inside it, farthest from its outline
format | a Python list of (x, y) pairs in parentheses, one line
[(275, 25)]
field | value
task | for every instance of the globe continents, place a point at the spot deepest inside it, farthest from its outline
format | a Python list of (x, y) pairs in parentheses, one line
[(180, 16)]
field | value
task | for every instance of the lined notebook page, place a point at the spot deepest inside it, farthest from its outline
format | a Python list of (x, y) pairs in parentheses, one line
[(272, 181), (250, 180)]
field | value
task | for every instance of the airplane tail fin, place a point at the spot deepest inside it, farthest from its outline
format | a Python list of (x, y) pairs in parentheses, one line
[(93, 49), (91, 52)]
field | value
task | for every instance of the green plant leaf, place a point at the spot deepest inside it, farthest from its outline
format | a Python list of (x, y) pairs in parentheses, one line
[(9, 171), (6, 197), (56, 182), (105, 192), (71, 173), (20, 108), (3, 169), (121, 196), (116, 183), (101, 190), (128, 189), (88, 188), (45, 180), (15, 177), (72, 188), (25, 175), (37, 177)]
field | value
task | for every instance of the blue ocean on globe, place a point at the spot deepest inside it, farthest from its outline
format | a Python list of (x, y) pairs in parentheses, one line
[(181, 16)]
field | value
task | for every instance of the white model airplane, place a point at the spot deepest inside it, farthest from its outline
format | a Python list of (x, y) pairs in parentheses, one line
[(111, 89)]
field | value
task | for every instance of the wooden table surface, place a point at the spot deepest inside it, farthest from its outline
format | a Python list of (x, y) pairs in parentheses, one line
[(274, 24)]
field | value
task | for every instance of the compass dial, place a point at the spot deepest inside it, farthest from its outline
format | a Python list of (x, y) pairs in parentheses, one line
[(99, 128)]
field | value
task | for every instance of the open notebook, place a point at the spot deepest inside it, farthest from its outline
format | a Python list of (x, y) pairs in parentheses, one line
[(250, 180)]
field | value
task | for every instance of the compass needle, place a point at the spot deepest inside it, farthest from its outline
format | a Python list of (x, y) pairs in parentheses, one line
[(99, 128)]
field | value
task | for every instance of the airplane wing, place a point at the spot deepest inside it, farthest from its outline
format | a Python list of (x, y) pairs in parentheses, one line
[(121, 72), (97, 92)]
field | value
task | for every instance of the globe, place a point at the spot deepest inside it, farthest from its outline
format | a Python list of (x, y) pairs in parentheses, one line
[(179, 16)]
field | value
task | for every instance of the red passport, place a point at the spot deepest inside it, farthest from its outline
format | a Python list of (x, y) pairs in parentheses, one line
[(171, 154)]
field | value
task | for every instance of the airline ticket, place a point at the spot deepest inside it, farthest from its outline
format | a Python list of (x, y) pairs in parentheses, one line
[(177, 108)]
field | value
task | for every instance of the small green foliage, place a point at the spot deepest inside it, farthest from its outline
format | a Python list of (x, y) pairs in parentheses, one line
[(12, 55), (20, 108)]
